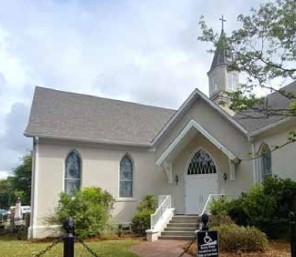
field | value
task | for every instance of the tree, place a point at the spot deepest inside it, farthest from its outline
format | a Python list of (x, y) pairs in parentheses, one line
[(17, 185), (264, 47), (21, 180), (5, 193)]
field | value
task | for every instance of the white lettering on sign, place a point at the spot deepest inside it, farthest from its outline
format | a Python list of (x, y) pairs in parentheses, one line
[(207, 244)]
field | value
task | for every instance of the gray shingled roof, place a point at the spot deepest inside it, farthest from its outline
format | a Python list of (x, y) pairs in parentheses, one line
[(58, 114), (275, 101)]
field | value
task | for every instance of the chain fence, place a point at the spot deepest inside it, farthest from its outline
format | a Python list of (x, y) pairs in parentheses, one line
[(69, 239), (91, 251), (60, 239), (48, 248)]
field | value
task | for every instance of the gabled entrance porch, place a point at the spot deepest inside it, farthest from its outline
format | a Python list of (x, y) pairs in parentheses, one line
[(196, 164)]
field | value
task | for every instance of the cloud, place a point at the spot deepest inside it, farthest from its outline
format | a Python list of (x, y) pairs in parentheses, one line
[(3, 174), (12, 143), (136, 50), (16, 122)]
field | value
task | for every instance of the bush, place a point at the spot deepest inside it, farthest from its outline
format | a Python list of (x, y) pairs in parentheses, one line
[(234, 238), (141, 220), (220, 206), (219, 220), (266, 206), (90, 209)]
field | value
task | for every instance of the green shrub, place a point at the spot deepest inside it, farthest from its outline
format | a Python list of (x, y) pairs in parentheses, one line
[(90, 209), (219, 220), (141, 220), (266, 206), (220, 206), (229, 207), (234, 238), (148, 204)]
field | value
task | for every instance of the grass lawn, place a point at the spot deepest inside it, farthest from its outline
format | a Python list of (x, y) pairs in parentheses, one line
[(114, 248)]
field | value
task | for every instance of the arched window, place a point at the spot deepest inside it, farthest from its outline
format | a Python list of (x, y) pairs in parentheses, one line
[(201, 163), (73, 172), (126, 177), (266, 169)]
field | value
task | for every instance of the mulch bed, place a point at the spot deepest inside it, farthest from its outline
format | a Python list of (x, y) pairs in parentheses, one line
[(95, 239), (275, 249)]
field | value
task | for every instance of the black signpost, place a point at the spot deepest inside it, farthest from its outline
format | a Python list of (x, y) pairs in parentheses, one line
[(207, 241)]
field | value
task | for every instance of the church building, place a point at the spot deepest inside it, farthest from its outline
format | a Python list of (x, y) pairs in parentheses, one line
[(131, 150)]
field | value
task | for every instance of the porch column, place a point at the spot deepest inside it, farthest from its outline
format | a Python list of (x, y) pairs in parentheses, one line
[(231, 170)]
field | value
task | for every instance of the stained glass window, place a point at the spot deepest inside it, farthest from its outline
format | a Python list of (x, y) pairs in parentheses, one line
[(73, 173), (201, 163), (126, 177), (265, 161)]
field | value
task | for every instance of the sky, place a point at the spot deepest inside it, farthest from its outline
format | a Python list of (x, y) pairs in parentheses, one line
[(144, 51)]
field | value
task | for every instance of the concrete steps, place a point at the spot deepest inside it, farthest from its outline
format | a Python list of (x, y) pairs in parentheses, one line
[(181, 227)]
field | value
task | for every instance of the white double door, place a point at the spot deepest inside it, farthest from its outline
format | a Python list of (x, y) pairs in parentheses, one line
[(198, 187)]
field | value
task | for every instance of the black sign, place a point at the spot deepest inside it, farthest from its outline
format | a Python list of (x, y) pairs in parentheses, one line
[(207, 244)]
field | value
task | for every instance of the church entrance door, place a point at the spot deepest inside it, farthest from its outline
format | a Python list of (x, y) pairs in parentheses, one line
[(201, 180)]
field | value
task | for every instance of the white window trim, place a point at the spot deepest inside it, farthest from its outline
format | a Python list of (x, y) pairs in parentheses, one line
[(128, 198), (64, 175)]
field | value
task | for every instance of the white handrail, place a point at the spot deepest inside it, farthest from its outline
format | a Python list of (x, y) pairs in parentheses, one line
[(164, 203), (211, 198)]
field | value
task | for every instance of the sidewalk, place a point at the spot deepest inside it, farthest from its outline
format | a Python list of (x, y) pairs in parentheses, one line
[(161, 248)]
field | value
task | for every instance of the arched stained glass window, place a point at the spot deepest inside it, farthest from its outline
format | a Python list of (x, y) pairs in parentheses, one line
[(201, 163), (126, 177), (266, 168), (73, 172)]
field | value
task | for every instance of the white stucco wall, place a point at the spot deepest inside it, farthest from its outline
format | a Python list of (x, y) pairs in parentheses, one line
[(284, 158), (215, 124), (100, 167)]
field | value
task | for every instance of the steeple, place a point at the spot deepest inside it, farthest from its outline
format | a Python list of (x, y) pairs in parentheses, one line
[(220, 79), (222, 56)]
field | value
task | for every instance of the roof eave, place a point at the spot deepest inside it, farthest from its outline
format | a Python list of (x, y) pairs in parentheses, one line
[(193, 124), (271, 126), (83, 140)]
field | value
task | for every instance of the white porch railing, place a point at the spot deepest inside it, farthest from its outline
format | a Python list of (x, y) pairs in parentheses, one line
[(211, 198), (164, 203)]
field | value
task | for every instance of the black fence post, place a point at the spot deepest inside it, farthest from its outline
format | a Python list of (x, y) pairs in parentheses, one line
[(69, 238), (205, 221), (293, 234)]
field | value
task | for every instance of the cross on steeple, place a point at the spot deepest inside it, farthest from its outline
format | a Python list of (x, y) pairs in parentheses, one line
[(222, 20)]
